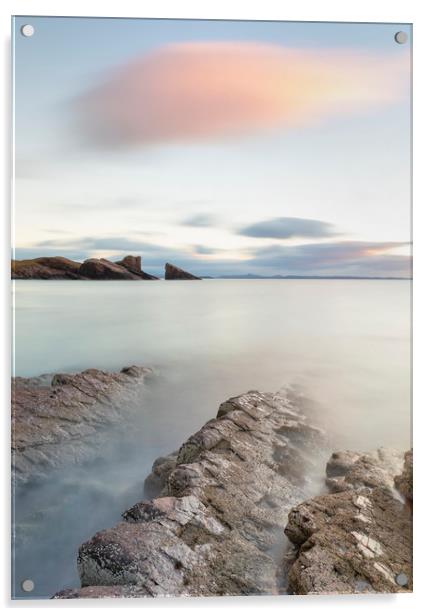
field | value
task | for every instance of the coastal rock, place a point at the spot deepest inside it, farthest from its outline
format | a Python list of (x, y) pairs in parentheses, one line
[(157, 479), (359, 538), (351, 470), (102, 269), (59, 419), (404, 482), (45, 268), (172, 272), (133, 264), (216, 510), (216, 526), (101, 592), (59, 268)]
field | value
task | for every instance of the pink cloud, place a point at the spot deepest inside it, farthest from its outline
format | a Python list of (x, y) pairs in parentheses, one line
[(190, 91)]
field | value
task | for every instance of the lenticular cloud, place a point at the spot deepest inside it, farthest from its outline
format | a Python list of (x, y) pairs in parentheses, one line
[(192, 91)]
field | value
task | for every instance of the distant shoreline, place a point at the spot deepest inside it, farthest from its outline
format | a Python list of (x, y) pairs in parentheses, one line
[(252, 277), (129, 268), (235, 278)]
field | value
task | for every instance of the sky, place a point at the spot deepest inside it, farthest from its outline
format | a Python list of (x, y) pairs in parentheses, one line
[(227, 148)]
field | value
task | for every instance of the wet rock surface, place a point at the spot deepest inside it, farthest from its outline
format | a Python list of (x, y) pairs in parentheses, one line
[(357, 539), (222, 502), (59, 419), (172, 272), (215, 519)]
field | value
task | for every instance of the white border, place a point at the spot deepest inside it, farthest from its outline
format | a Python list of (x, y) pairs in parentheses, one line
[(406, 11)]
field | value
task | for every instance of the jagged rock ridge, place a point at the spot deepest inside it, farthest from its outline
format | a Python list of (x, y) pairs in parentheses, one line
[(223, 501), (59, 419)]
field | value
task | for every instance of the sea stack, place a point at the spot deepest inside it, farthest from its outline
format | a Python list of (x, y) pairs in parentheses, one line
[(172, 272), (133, 264)]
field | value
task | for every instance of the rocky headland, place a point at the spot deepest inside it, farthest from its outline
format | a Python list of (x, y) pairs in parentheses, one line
[(45, 268), (234, 512), (60, 268), (102, 269), (61, 419)]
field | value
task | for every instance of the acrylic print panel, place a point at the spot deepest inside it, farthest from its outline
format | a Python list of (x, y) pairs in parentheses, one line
[(211, 384)]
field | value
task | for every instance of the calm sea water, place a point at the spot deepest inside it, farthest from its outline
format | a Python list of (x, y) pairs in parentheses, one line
[(344, 343)]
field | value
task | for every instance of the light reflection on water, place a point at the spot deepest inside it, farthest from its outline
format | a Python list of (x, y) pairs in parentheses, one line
[(346, 343)]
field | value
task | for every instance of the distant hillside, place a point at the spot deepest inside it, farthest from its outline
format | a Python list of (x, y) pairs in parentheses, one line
[(258, 277)]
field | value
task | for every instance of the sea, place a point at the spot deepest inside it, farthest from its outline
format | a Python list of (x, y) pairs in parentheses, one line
[(345, 344)]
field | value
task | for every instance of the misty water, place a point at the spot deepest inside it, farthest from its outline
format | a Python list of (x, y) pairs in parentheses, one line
[(344, 343)]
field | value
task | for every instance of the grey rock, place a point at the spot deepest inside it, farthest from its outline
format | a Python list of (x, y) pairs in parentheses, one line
[(346, 469), (340, 463), (218, 521), (404, 481), (157, 479), (100, 592), (357, 539), (60, 419)]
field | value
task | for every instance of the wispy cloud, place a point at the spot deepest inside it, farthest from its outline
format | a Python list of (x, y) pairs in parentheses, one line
[(288, 228), (206, 250), (200, 220), (349, 258), (200, 90), (98, 243)]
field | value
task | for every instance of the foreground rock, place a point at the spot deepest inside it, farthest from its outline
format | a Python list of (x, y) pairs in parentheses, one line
[(404, 482), (172, 272), (59, 268), (216, 525), (59, 419), (359, 538)]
